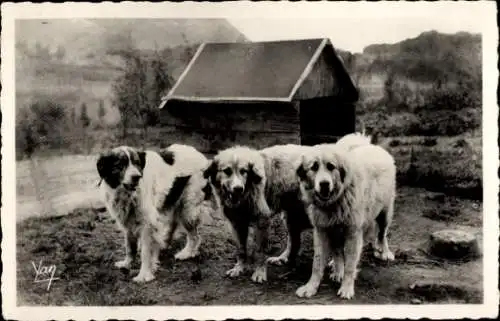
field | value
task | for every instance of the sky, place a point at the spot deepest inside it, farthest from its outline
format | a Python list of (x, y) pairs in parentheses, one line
[(353, 33)]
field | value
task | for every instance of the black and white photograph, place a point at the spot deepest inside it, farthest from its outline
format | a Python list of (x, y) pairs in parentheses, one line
[(257, 160)]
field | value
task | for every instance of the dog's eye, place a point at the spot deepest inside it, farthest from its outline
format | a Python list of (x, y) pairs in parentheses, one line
[(243, 171), (315, 166), (228, 171), (330, 166)]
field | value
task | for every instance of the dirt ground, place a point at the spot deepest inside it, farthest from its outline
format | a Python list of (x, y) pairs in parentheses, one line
[(84, 245)]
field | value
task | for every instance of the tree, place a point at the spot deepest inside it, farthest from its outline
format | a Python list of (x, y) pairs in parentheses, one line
[(60, 53), (84, 116), (72, 117), (137, 92), (101, 111), (41, 123)]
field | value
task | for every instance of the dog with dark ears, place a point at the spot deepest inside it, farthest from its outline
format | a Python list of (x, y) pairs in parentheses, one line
[(150, 194), (252, 186)]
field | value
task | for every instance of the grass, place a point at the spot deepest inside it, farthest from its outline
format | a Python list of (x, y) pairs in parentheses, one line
[(442, 164), (84, 244)]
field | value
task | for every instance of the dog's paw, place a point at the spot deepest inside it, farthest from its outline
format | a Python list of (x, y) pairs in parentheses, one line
[(306, 291), (331, 264), (346, 291), (277, 260), (260, 275), (155, 264), (235, 271), (184, 255), (123, 264), (144, 277), (337, 276), (384, 255)]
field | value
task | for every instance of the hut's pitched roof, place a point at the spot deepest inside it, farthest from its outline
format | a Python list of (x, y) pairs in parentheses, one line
[(256, 71)]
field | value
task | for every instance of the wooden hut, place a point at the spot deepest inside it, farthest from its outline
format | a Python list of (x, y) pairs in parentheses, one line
[(260, 94)]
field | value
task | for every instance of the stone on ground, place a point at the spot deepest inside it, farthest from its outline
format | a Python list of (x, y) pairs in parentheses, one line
[(454, 244)]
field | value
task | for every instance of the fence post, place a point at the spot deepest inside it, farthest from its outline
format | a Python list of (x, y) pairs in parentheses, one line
[(39, 178)]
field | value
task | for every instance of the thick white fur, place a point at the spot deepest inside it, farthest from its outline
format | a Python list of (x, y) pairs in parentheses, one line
[(146, 221), (353, 140), (367, 192)]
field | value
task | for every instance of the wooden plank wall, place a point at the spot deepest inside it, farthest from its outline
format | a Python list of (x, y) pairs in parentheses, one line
[(212, 127), (320, 82)]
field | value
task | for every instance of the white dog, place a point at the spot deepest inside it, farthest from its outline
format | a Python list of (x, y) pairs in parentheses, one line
[(347, 189), (150, 194)]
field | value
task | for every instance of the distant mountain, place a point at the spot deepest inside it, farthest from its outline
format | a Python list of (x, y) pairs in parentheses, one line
[(85, 41), (69, 61), (420, 62)]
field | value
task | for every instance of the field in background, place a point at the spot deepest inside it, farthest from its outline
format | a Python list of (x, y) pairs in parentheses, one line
[(56, 185), (84, 245)]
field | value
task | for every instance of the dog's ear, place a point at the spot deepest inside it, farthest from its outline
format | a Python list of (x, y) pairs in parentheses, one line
[(142, 158), (254, 175), (342, 173), (168, 156), (207, 191), (301, 171), (104, 164), (211, 171)]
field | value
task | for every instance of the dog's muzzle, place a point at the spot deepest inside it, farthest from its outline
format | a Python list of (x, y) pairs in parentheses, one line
[(234, 195), (324, 190), (134, 182)]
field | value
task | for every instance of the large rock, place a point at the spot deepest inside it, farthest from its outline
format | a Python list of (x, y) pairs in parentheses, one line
[(454, 244)]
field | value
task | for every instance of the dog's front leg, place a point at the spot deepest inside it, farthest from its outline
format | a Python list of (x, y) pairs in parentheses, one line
[(130, 241), (146, 270), (352, 253), (321, 253), (261, 242), (240, 230)]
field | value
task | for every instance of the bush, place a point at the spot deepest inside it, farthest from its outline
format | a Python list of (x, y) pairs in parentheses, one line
[(394, 143), (43, 123), (429, 141), (439, 169)]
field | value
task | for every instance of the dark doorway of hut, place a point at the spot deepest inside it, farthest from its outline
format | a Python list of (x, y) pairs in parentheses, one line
[(325, 120)]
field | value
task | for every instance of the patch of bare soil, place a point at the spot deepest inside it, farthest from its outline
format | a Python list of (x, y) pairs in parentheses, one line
[(84, 245)]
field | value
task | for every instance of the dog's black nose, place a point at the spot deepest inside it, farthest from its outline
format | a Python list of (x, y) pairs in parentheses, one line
[(238, 190), (324, 187), (135, 178)]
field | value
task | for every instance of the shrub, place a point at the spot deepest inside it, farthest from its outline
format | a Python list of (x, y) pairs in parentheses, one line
[(459, 143), (43, 123), (429, 141), (394, 143)]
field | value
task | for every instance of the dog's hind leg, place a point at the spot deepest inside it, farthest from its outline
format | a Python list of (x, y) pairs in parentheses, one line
[(337, 265), (193, 241), (284, 256), (384, 219)]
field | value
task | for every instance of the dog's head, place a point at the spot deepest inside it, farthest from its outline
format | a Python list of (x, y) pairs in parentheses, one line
[(234, 173), (121, 166), (323, 175)]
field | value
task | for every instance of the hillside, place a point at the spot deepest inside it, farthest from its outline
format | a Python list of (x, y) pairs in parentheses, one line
[(421, 61), (429, 85), (69, 61), (88, 41)]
